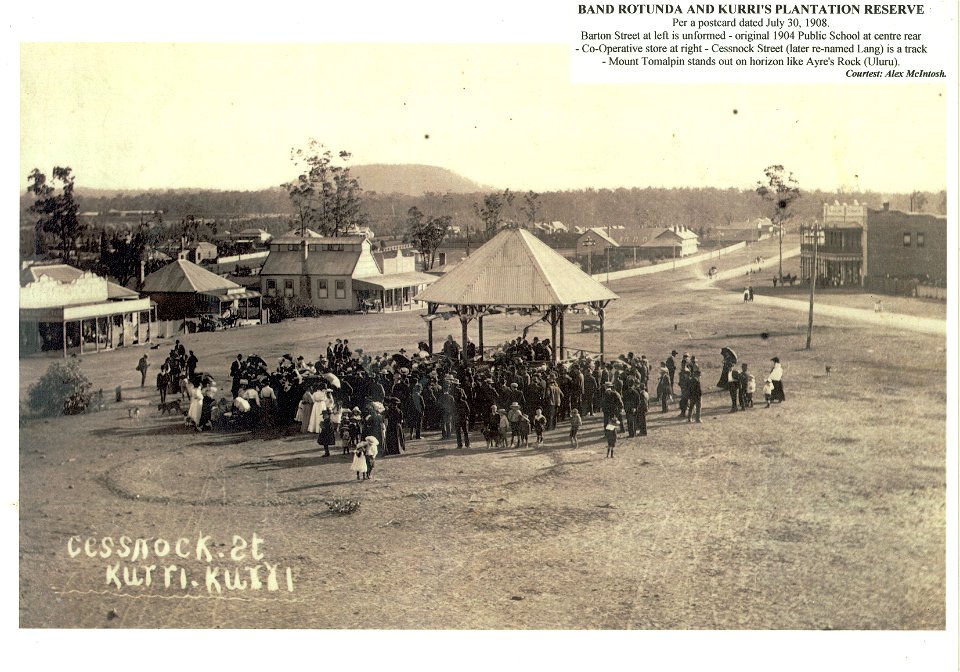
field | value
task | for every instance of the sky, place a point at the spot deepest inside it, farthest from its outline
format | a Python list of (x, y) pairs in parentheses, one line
[(226, 115)]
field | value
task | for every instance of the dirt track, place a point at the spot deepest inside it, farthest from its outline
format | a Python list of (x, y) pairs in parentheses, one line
[(827, 512)]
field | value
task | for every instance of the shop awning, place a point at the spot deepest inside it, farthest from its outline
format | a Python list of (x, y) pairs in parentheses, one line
[(233, 296), (394, 281)]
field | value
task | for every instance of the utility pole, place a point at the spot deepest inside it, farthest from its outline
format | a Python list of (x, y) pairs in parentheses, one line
[(813, 281), (589, 243)]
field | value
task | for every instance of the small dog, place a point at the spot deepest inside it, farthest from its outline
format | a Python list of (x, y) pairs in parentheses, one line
[(170, 407)]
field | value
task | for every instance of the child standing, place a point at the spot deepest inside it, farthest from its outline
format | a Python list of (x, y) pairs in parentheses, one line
[(768, 391), (524, 427), (610, 431), (353, 432), (359, 464), (539, 424), (370, 451), (751, 388), (575, 424)]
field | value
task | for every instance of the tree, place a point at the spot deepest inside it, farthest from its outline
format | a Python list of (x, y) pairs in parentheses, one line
[(491, 213), (63, 390), (326, 197), (781, 189), (121, 256), (57, 213), (917, 201), (426, 233), (531, 206)]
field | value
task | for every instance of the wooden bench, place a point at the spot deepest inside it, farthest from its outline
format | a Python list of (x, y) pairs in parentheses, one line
[(589, 325)]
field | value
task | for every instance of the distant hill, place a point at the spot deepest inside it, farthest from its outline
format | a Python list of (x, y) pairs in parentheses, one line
[(412, 179)]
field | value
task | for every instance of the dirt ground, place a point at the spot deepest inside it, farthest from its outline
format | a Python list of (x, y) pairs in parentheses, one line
[(825, 512)]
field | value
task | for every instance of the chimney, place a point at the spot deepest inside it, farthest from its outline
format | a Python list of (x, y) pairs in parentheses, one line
[(143, 271)]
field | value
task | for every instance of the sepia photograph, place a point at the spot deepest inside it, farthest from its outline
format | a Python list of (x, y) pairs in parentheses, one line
[(379, 336)]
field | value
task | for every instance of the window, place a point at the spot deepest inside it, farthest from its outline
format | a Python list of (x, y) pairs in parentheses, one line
[(271, 287), (335, 248), (293, 248), (288, 288), (341, 289), (322, 289), (906, 240), (919, 239)]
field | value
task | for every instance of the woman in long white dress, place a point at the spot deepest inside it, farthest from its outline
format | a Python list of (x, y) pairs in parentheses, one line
[(196, 402), (321, 402)]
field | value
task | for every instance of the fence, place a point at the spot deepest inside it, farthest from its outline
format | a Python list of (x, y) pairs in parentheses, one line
[(904, 287), (669, 265)]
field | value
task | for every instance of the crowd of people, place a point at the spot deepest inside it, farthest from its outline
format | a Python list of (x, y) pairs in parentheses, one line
[(372, 404)]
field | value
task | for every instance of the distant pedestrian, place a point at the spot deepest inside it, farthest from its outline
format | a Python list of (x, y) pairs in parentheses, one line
[(142, 367), (694, 395), (575, 424), (663, 389), (776, 377)]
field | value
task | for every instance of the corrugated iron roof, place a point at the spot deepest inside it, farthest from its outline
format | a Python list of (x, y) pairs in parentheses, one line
[(65, 273), (319, 262), (395, 280), (602, 233), (182, 276), (515, 268)]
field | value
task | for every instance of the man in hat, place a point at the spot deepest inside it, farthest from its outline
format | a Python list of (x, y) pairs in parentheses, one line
[(462, 420), (552, 398), (671, 367), (664, 389), (694, 394), (611, 405), (416, 407), (142, 367), (192, 362), (684, 379), (236, 372), (742, 381), (631, 403), (448, 411)]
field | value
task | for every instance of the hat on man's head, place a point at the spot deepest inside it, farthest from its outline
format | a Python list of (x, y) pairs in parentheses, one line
[(775, 360), (673, 352)]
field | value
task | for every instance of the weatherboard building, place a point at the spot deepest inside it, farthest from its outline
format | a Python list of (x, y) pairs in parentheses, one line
[(339, 274)]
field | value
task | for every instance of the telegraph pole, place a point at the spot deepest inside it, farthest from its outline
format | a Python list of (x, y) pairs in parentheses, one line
[(813, 281)]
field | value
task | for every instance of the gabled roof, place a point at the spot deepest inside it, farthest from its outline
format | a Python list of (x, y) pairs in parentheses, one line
[(182, 276), (64, 273), (603, 235), (515, 268), (294, 237), (670, 237), (319, 262)]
